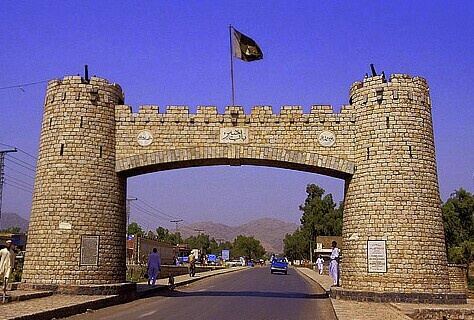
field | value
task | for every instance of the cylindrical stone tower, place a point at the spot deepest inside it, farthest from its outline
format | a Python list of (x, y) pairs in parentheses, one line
[(78, 222), (392, 231)]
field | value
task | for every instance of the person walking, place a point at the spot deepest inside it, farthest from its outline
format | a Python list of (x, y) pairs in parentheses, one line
[(320, 263), (334, 263), (192, 264), (154, 266), (7, 263)]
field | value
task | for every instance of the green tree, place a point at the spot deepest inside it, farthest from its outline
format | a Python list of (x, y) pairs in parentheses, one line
[(151, 235), (162, 233), (134, 228), (213, 246), (200, 242), (174, 238), (11, 230), (296, 246), (247, 247), (216, 248), (458, 220), (320, 216)]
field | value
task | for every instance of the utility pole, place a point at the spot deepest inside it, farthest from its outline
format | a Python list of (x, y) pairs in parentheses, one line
[(128, 209), (176, 221), (2, 178)]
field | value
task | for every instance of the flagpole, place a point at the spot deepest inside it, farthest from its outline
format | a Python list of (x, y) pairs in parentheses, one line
[(231, 64)]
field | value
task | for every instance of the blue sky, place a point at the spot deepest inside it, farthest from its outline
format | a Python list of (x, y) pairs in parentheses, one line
[(177, 53)]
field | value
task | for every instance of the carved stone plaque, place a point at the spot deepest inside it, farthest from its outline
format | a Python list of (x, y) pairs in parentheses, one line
[(89, 250), (326, 138), (234, 135), (144, 138), (376, 256)]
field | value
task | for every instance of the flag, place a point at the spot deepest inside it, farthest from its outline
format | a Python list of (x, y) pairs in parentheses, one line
[(245, 48)]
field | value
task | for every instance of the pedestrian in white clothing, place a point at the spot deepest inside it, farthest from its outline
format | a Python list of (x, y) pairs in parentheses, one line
[(320, 263), (154, 266), (334, 263), (7, 262)]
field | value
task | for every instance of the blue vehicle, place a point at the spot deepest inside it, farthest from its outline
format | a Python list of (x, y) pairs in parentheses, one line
[(279, 265)]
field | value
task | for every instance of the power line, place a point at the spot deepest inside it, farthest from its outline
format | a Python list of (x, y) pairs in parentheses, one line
[(16, 180), (21, 151), (20, 86), (2, 161), (149, 212), (176, 221), (154, 212), (19, 172), (22, 164), (12, 184), (159, 211)]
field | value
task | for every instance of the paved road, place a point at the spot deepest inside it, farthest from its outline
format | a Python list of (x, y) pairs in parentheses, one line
[(249, 294)]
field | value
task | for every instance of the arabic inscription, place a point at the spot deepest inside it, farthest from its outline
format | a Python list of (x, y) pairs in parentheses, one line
[(234, 135), (326, 138), (145, 138)]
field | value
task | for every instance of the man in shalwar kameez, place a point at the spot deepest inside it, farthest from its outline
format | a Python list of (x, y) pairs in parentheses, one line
[(334, 263), (154, 265), (7, 262)]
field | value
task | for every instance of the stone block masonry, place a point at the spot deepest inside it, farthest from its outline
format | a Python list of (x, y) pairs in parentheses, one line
[(77, 226), (381, 144), (289, 139)]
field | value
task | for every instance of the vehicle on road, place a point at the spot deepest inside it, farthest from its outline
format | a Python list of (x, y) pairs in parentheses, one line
[(279, 265)]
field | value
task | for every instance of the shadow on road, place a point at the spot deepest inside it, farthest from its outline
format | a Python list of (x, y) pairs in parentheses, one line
[(259, 294)]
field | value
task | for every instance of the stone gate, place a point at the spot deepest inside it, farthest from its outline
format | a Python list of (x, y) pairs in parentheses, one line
[(381, 144)]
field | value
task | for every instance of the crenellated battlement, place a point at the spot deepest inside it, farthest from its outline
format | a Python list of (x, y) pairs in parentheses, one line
[(401, 87), (76, 88), (80, 81), (151, 113)]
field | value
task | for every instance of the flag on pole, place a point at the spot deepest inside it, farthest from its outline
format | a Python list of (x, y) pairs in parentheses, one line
[(246, 48)]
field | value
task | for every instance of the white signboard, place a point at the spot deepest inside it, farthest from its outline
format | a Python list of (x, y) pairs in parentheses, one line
[(376, 256), (225, 255), (144, 138), (326, 138), (234, 135)]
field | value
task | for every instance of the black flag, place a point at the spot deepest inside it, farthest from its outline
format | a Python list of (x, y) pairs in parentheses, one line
[(245, 48)]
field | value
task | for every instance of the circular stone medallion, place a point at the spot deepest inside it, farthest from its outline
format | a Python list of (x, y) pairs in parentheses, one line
[(144, 138), (326, 138)]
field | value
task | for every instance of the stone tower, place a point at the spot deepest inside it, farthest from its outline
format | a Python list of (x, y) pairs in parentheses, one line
[(392, 201), (382, 144), (77, 228)]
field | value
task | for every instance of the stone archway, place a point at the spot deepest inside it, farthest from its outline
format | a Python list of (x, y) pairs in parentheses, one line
[(234, 156), (382, 145)]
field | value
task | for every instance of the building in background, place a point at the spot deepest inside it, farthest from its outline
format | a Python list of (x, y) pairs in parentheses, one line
[(139, 248)]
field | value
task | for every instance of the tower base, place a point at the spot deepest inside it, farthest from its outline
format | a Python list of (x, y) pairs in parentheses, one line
[(126, 290), (400, 297)]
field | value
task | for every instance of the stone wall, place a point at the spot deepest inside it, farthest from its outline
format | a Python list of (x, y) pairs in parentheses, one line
[(441, 314), (458, 278), (289, 139), (381, 144)]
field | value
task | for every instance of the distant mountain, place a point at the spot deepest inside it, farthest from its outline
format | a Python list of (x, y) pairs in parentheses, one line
[(11, 219), (269, 231)]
